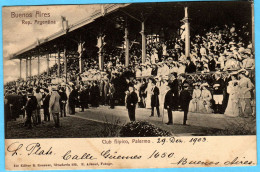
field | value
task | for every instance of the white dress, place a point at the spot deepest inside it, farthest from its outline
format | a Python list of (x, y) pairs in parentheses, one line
[(149, 96), (194, 103), (232, 107), (163, 90), (68, 91)]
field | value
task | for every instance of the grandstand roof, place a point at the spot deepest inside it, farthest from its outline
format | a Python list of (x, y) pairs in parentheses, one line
[(155, 15), (35, 47)]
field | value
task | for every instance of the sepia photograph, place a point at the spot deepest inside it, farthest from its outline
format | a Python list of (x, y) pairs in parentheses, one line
[(129, 85), (129, 70)]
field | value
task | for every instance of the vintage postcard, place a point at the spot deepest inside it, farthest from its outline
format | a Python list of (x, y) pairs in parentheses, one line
[(138, 85)]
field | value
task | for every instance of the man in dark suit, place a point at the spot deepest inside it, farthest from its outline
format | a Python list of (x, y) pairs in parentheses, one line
[(102, 95), (83, 98), (63, 101), (46, 101), (154, 70), (168, 104), (106, 89), (30, 107), (212, 63), (174, 86), (131, 101), (142, 93), (185, 98), (190, 66), (111, 92), (155, 99), (95, 95), (182, 80), (14, 102), (73, 98)]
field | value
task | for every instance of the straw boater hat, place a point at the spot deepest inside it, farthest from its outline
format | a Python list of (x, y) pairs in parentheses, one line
[(170, 58), (196, 84), (216, 85), (218, 73), (186, 85), (165, 77), (54, 87), (247, 51), (204, 85), (234, 73), (243, 71)]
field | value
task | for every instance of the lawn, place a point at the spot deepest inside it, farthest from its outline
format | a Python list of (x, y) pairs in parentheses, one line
[(70, 128)]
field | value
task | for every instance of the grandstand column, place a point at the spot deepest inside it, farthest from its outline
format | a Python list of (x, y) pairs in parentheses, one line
[(253, 27), (47, 60), (126, 48), (187, 32), (59, 63), (26, 69), (30, 66), (100, 60), (20, 68), (100, 44), (80, 51), (65, 63), (80, 65), (38, 66), (143, 44)]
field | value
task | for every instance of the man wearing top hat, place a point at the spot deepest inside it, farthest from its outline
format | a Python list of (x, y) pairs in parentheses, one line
[(155, 99), (169, 104), (185, 98), (173, 84), (30, 107), (111, 92), (63, 101), (73, 98), (131, 101)]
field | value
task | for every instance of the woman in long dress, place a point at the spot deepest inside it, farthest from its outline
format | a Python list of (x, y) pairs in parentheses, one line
[(205, 98), (149, 95), (232, 109), (164, 88), (194, 103), (68, 91)]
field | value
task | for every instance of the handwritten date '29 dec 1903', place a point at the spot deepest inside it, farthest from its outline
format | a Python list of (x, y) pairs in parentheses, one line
[(178, 140)]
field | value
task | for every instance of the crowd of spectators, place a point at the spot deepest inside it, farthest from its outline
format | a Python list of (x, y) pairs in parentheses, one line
[(221, 60)]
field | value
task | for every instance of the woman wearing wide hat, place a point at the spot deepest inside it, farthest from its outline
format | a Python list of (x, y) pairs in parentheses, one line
[(206, 97), (194, 103), (233, 109)]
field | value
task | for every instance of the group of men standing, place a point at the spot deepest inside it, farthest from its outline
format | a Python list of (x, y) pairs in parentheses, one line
[(91, 93), (53, 103), (171, 100)]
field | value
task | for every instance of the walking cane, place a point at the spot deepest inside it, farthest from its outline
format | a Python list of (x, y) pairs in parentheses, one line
[(162, 114)]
